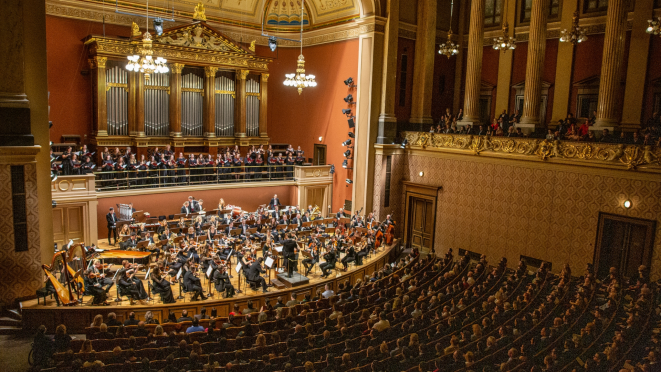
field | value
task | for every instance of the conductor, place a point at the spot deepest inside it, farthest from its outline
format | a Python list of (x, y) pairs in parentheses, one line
[(274, 201), (253, 274), (289, 250)]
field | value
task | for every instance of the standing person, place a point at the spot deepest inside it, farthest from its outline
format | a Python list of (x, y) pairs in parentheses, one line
[(289, 249), (111, 218), (67, 163)]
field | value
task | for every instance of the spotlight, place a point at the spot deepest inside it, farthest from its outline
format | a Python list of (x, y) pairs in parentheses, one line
[(273, 43), (404, 143), (345, 164), (158, 26), (321, 138), (351, 122), (627, 204), (349, 99), (351, 135), (348, 181), (332, 170), (346, 111), (349, 82), (346, 143), (347, 153), (54, 203)]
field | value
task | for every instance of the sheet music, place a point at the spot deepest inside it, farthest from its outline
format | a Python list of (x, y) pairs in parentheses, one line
[(147, 275), (209, 271), (278, 248), (237, 268), (179, 273), (269, 262)]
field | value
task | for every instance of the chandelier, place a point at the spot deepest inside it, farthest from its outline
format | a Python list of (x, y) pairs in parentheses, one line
[(504, 42), (143, 61), (300, 80), (448, 48), (575, 35), (654, 26)]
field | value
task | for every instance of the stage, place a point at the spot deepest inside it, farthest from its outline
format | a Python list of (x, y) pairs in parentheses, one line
[(78, 317)]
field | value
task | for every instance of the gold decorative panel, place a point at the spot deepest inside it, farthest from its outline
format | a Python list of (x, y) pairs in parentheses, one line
[(506, 207)]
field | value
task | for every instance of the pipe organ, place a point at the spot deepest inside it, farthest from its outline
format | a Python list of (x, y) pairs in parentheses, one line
[(214, 94)]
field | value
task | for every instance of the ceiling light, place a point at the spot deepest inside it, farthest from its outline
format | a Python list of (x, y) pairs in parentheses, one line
[(627, 204), (321, 138), (654, 26), (576, 34), (299, 80), (504, 42), (449, 48), (143, 60)]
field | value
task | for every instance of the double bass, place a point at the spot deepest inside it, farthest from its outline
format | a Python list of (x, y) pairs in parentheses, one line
[(390, 233)]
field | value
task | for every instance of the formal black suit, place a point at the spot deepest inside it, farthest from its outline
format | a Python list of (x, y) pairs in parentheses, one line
[(112, 219), (289, 255), (253, 274), (222, 283), (186, 210), (193, 284), (329, 264), (195, 206), (274, 202)]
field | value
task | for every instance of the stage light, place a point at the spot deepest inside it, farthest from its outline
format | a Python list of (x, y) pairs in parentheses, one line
[(158, 26), (273, 43), (627, 204), (54, 204), (348, 99), (332, 170), (351, 135), (349, 81), (403, 145), (346, 143), (346, 111), (347, 153), (348, 181), (345, 164), (321, 138), (351, 122)]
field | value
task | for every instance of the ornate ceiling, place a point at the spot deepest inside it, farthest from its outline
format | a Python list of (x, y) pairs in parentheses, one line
[(280, 15)]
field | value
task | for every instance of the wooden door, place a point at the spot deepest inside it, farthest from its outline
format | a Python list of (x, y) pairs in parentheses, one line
[(315, 197), (319, 154), (421, 223), (68, 223), (624, 243)]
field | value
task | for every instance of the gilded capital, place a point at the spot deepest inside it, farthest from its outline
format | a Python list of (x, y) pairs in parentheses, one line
[(135, 30), (210, 71), (98, 62), (243, 74), (177, 67), (265, 78)]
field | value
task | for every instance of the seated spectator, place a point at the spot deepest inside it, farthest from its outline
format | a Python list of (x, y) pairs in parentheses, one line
[(141, 331), (196, 327), (184, 317), (61, 340), (103, 333), (131, 320), (112, 320)]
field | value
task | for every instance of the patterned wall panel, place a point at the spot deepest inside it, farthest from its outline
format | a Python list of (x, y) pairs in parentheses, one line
[(20, 272), (508, 207)]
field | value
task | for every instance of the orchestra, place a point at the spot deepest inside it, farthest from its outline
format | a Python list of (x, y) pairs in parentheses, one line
[(195, 250)]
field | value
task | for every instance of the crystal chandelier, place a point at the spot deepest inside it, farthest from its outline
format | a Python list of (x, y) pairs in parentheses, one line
[(654, 26), (448, 48), (300, 80), (504, 42), (575, 35), (143, 61)]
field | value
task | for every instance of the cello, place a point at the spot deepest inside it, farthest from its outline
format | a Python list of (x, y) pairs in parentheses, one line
[(390, 233)]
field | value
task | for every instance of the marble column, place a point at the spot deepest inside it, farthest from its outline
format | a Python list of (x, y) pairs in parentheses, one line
[(474, 64), (209, 101), (100, 119), (263, 89), (175, 99), (639, 47), (532, 95), (240, 104), (611, 65), (387, 118), (459, 58), (423, 67), (140, 104)]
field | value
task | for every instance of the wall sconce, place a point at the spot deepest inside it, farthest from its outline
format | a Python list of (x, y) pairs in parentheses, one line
[(321, 138), (421, 173), (627, 204)]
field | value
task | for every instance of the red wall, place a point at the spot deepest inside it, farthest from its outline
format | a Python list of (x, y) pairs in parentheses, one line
[(490, 60), (653, 73), (587, 63), (443, 73), (404, 46), (170, 203), (299, 120)]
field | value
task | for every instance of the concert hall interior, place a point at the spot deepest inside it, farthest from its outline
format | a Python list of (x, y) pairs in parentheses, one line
[(330, 185)]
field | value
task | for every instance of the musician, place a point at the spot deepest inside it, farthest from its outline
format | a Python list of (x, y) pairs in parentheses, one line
[(130, 243), (130, 285), (132, 166), (193, 284), (258, 234), (340, 213), (283, 219), (198, 225), (181, 168), (168, 152), (100, 274), (388, 221), (279, 162), (127, 155), (211, 232), (259, 162), (300, 159), (186, 208), (309, 263), (370, 219), (169, 236), (250, 161), (153, 170), (289, 250), (171, 165), (142, 171), (296, 220), (358, 222), (327, 266), (95, 289), (161, 286), (111, 218), (237, 163), (253, 274), (120, 168), (83, 151), (350, 256), (289, 169), (274, 203), (222, 280), (194, 205), (245, 234), (67, 164), (179, 259), (364, 250)]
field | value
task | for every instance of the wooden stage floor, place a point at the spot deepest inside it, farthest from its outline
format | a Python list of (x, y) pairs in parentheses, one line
[(80, 316)]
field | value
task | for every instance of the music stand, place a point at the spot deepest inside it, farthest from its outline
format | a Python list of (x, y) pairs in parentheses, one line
[(238, 270), (235, 232), (281, 226), (292, 226), (142, 244)]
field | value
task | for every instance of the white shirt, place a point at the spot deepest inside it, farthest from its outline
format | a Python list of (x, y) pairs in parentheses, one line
[(327, 294)]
